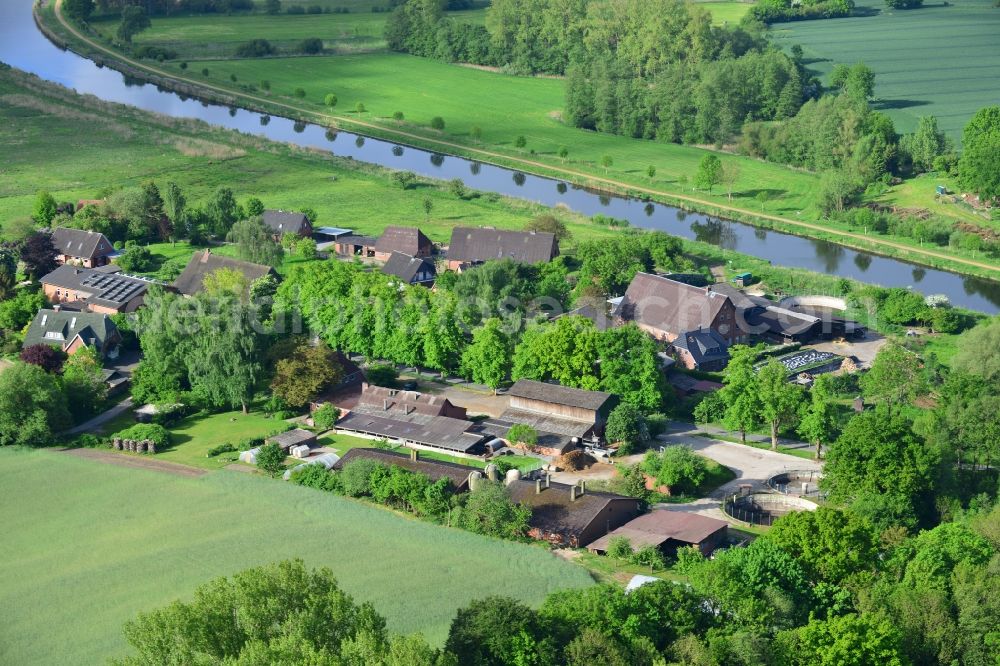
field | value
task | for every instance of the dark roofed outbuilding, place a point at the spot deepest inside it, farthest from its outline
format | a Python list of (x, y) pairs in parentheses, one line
[(282, 222), (70, 330), (411, 270), (476, 245), (296, 437), (570, 515), (702, 350), (191, 280), (668, 530), (406, 240)]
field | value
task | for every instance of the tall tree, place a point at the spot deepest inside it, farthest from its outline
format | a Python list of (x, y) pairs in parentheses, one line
[(255, 242), (739, 392), (133, 21), (307, 370), (979, 165), (487, 359), (39, 254), (709, 172), (83, 383), (819, 419), (32, 406), (895, 377), (8, 273), (45, 208), (779, 399), (224, 362)]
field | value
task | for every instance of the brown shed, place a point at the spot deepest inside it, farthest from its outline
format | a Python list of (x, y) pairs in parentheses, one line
[(571, 515), (405, 240)]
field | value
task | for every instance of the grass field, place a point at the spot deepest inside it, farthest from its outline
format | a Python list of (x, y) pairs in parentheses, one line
[(86, 546), (939, 60), (725, 12), (194, 37)]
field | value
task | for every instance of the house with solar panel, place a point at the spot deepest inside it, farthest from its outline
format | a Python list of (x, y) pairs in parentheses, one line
[(104, 290), (82, 248), (70, 331)]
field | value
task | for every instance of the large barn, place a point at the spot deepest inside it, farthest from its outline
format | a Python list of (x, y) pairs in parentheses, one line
[(471, 246), (667, 531)]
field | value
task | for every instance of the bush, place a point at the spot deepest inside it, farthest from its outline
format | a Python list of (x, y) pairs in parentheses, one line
[(325, 417), (688, 558), (357, 476), (300, 93), (383, 375), (250, 443), (220, 449), (710, 409), (159, 435), (311, 46), (620, 548), (437, 122), (255, 48), (649, 556), (317, 476), (87, 442), (271, 459)]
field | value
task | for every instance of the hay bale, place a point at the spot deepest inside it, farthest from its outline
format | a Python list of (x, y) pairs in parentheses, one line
[(151, 448), (117, 443)]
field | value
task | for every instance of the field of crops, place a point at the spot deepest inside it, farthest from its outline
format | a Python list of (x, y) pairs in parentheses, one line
[(87, 545), (941, 60)]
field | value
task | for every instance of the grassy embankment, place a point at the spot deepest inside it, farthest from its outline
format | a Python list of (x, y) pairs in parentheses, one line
[(504, 107), (87, 546)]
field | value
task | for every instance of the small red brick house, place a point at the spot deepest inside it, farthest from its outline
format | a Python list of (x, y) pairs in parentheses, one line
[(102, 290), (82, 248)]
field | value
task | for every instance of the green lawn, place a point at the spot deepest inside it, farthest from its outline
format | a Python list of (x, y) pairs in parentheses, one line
[(725, 12), (195, 37), (193, 436), (88, 545), (939, 60)]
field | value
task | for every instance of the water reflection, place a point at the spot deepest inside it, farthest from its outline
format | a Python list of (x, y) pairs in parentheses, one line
[(919, 274), (397, 151), (23, 46)]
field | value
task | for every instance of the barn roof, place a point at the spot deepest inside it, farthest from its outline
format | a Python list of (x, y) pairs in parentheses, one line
[(668, 305), (476, 245), (659, 526), (408, 240), (285, 222), (190, 281), (558, 394), (437, 431), (287, 440), (553, 510), (405, 267), (81, 243)]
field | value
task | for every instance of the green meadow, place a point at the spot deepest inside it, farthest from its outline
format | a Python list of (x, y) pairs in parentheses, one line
[(88, 545), (940, 60)]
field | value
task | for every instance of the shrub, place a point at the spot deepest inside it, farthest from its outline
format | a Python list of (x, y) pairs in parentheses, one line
[(250, 443), (311, 46), (357, 476), (620, 548), (317, 476), (437, 122), (87, 441), (325, 417), (300, 93), (688, 557), (649, 556), (397, 116), (220, 449), (383, 375), (255, 48), (271, 459), (151, 431)]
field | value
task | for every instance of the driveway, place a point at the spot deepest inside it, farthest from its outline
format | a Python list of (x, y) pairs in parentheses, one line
[(864, 350), (101, 419)]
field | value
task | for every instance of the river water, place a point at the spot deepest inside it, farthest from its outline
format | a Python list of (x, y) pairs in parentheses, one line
[(24, 47)]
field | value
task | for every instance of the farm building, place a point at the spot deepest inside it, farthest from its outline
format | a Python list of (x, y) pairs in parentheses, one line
[(293, 438), (668, 309), (471, 246), (102, 290), (405, 240), (432, 469), (417, 430), (704, 350), (70, 331), (564, 417), (83, 248), (571, 516), (668, 531), (410, 270), (396, 402), (282, 222), (192, 278)]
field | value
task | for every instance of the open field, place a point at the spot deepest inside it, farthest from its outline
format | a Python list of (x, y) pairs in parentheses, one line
[(127, 540), (724, 11), (195, 37), (940, 60)]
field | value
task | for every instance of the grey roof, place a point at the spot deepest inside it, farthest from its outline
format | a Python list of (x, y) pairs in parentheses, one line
[(406, 267), (109, 288), (437, 431), (354, 239), (558, 394), (550, 439), (741, 300), (546, 423), (80, 243), (705, 346), (785, 322), (433, 469), (408, 240), (475, 245), (379, 399), (287, 440), (285, 222), (59, 328), (668, 305), (189, 282)]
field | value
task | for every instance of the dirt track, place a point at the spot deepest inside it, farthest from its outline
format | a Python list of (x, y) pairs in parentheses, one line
[(136, 462)]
